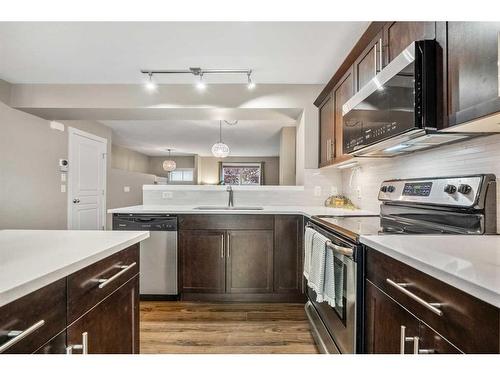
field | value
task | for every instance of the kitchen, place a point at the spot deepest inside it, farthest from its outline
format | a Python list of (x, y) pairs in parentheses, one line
[(191, 203)]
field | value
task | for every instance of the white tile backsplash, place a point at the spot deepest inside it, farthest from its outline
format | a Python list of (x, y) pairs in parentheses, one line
[(480, 155)]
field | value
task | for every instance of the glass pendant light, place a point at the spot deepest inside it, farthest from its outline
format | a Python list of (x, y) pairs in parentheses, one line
[(220, 149), (169, 165)]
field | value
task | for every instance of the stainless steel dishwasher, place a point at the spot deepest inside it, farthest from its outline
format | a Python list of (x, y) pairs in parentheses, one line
[(158, 254)]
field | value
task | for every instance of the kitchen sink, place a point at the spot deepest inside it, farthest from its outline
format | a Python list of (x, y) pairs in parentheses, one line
[(238, 208)]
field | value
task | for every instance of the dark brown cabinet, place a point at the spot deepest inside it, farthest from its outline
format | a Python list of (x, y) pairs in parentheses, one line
[(249, 261), (341, 94), (240, 257), (399, 35), (202, 261), (326, 132), (369, 62), (386, 321), (112, 326), (99, 302), (288, 254), (473, 70)]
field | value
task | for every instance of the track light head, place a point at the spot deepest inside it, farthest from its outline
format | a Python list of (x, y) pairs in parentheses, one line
[(201, 85), (251, 84), (151, 85)]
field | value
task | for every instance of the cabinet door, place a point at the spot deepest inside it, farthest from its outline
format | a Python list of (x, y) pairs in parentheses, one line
[(288, 240), (202, 261), (399, 35), (385, 320), (369, 63), (57, 345), (473, 75), (249, 261), (432, 342), (326, 131), (113, 325), (341, 94)]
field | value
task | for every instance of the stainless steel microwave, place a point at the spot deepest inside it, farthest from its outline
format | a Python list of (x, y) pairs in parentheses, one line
[(396, 111)]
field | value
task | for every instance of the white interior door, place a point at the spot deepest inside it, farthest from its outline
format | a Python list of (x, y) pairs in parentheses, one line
[(86, 181)]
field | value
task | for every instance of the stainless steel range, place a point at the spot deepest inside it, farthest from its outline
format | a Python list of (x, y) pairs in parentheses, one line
[(440, 205)]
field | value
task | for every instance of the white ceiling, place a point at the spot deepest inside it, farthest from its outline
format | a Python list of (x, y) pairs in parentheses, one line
[(247, 138), (114, 52)]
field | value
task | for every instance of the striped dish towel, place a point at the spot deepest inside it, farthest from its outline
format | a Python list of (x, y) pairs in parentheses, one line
[(334, 279), (317, 265), (308, 244)]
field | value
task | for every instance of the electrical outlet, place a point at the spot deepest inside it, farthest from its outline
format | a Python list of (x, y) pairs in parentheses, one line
[(126, 189), (334, 190), (63, 177), (63, 188), (317, 191), (167, 195), (358, 191)]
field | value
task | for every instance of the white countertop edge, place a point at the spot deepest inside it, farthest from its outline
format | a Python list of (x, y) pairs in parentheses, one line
[(466, 286), (30, 286), (221, 188)]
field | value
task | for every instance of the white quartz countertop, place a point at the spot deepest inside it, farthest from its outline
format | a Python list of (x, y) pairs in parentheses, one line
[(31, 259), (469, 263), (298, 210)]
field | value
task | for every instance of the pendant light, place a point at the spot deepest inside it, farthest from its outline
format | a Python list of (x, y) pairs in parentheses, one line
[(220, 149), (169, 165)]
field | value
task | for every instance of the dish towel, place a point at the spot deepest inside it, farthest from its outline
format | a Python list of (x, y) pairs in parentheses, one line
[(334, 279), (317, 265), (308, 244)]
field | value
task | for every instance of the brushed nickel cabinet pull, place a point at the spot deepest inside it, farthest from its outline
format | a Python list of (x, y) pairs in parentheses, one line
[(19, 335), (403, 340), (402, 288), (124, 269), (222, 246), (84, 346), (380, 55)]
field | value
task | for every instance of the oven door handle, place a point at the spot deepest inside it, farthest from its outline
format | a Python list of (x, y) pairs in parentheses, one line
[(347, 251)]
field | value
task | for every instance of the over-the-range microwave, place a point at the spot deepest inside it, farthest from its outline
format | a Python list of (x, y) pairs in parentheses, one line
[(396, 111)]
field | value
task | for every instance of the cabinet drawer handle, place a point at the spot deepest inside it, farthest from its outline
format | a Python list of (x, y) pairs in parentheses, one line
[(403, 340), (84, 346), (104, 282), (380, 56), (222, 246), (19, 335), (402, 288)]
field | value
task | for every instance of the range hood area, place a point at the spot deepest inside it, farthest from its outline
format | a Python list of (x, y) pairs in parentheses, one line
[(396, 112)]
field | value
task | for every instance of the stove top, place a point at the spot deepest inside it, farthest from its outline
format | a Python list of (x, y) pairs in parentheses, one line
[(351, 226)]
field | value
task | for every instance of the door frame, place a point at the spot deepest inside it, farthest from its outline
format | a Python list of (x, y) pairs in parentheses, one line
[(74, 131)]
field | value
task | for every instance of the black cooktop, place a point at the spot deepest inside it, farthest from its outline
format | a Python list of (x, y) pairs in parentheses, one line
[(351, 226)]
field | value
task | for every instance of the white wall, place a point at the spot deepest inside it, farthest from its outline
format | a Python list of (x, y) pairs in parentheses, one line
[(288, 140), (480, 155)]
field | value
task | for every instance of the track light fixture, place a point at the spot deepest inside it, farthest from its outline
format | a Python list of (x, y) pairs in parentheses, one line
[(200, 84), (150, 84)]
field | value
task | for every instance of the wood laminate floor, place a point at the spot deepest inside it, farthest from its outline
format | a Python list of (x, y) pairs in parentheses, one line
[(199, 327)]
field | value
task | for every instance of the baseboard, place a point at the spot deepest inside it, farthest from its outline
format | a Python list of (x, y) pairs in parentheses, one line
[(257, 297), (159, 297)]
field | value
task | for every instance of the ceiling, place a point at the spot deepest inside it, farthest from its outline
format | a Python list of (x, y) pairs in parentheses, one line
[(247, 138), (114, 52)]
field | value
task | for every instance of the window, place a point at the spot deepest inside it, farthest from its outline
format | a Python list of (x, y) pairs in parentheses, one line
[(242, 173), (181, 176)]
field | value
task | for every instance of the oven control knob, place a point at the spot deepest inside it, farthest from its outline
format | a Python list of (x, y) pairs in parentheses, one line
[(464, 188), (391, 189), (450, 189), (383, 189)]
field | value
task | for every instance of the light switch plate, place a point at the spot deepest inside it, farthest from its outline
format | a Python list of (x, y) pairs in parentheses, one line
[(317, 191), (126, 189), (63, 188), (167, 195)]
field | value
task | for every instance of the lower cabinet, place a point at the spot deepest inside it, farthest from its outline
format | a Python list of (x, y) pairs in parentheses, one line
[(94, 310), (391, 329), (244, 257)]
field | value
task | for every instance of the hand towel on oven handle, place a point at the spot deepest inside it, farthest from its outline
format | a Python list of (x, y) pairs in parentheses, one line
[(334, 279), (308, 244), (316, 278)]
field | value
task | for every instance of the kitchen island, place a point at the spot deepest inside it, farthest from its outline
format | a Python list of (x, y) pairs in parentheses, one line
[(69, 291)]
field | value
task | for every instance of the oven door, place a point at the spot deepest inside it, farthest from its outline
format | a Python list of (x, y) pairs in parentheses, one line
[(340, 321)]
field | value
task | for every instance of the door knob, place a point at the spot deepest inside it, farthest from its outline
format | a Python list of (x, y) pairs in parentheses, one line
[(76, 200)]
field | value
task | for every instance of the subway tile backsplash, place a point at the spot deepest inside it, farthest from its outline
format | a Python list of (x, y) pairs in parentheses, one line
[(479, 155)]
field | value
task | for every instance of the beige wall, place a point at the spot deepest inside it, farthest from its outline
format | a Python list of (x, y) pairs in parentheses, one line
[(129, 160), (209, 168), (287, 156), (156, 164)]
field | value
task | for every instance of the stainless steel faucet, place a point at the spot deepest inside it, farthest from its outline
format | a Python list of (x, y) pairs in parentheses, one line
[(230, 203)]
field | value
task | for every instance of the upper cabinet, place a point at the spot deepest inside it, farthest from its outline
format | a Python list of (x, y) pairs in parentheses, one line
[(399, 35), (469, 79), (473, 70)]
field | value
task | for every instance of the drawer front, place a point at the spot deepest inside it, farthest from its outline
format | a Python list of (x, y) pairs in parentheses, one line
[(88, 287), (21, 320), (468, 323), (224, 221)]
